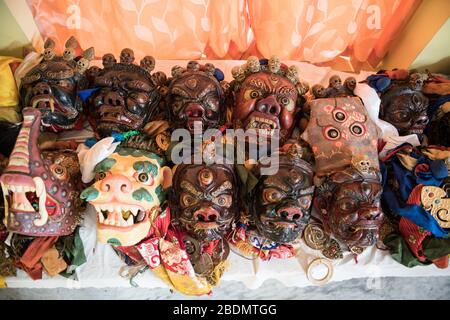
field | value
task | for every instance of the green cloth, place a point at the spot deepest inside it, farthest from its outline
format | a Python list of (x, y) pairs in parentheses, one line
[(400, 251), (434, 248), (73, 252)]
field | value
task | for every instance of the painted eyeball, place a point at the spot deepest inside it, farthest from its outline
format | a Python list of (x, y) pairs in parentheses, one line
[(305, 202), (339, 115), (100, 176), (271, 195), (223, 200), (144, 178), (205, 177), (357, 129), (59, 171), (331, 133), (187, 200), (252, 94)]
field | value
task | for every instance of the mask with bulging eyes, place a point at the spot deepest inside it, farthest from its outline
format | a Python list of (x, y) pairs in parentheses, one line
[(281, 203), (204, 199), (53, 84), (195, 95), (266, 96), (405, 106), (127, 97)]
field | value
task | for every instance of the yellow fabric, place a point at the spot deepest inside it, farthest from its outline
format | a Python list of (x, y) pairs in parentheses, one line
[(435, 154), (407, 161), (9, 95), (11, 114), (2, 282)]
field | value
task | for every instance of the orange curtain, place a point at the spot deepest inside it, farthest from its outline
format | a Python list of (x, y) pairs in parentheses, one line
[(309, 30)]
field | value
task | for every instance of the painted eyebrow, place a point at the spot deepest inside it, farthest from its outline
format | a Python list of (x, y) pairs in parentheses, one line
[(223, 187), (179, 91), (187, 186), (275, 182), (210, 89), (139, 85), (105, 165), (146, 166)]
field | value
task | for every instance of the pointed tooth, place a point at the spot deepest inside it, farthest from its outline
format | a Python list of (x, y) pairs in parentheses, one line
[(140, 216), (130, 220), (12, 188), (100, 217), (134, 210), (110, 207), (118, 209)]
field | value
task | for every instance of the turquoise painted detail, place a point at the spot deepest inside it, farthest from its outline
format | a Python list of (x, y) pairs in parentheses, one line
[(142, 194), (114, 242), (89, 194), (160, 193), (105, 165), (147, 167), (139, 153)]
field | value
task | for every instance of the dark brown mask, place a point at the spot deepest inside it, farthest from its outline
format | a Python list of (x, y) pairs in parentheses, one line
[(404, 106), (204, 199), (281, 203), (195, 95), (127, 97), (349, 204), (52, 86)]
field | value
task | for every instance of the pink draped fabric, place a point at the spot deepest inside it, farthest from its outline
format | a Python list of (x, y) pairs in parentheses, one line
[(316, 31)]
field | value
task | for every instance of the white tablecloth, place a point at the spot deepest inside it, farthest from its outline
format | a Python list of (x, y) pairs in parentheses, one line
[(102, 267)]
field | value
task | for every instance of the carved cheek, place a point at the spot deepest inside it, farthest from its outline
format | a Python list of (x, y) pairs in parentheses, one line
[(242, 110), (286, 119)]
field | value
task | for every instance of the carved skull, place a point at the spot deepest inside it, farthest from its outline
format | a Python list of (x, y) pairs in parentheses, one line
[(177, 71), (210, 69), (253, 64), (335, 82), (127, 56), (274, 64), (292, 74), (361, 163), (82, 65), (350, 83), (148, 63), (318, 91), (193, 66), (108, 60), (68, 54), (49, 54)]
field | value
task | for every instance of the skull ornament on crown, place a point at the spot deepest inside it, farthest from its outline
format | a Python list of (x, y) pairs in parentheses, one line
[(52, 86), (40, 187), (266, 96), (281, 203), (204, 199), (344, 143), (196, 94), (128, 191), (405, 106), (127, 95)]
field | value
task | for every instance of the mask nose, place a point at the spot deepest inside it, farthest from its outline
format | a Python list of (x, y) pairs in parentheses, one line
[(116, 183), (206, 215), (42, 88), (113, 98), (194, 110), (269, 105), (422, 121), (290, 213), (370, 213)]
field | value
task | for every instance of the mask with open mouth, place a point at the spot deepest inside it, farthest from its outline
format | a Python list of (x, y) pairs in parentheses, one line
[(349, 204), (52, 86), (266, 96), (281, 203), (204, 199), (128, 191), (196, 94), (128, 96), (405, 106), (40, 187)]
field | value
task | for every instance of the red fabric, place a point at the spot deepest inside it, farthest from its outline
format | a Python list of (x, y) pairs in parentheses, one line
[(30, 261), (441, 262)]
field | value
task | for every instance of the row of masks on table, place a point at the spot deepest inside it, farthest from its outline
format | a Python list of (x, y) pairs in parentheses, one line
[(182, 219)]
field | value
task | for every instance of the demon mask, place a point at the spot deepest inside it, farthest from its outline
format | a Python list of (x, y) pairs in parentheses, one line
[(281, 203), (266, 96), (404, 105), (52, 86), (196, 95), (128, 191), (40, 187), (127, 95), (344, 143), (204, 199)]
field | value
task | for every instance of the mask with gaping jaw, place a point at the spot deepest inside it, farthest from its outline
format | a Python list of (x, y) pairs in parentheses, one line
[(281, 203), (266, 97), (52, 87), (127, 97), (40, 187), (129, 187), (204, 199)]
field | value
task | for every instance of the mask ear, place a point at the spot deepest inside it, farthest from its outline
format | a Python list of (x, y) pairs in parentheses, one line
[(166, 177)]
